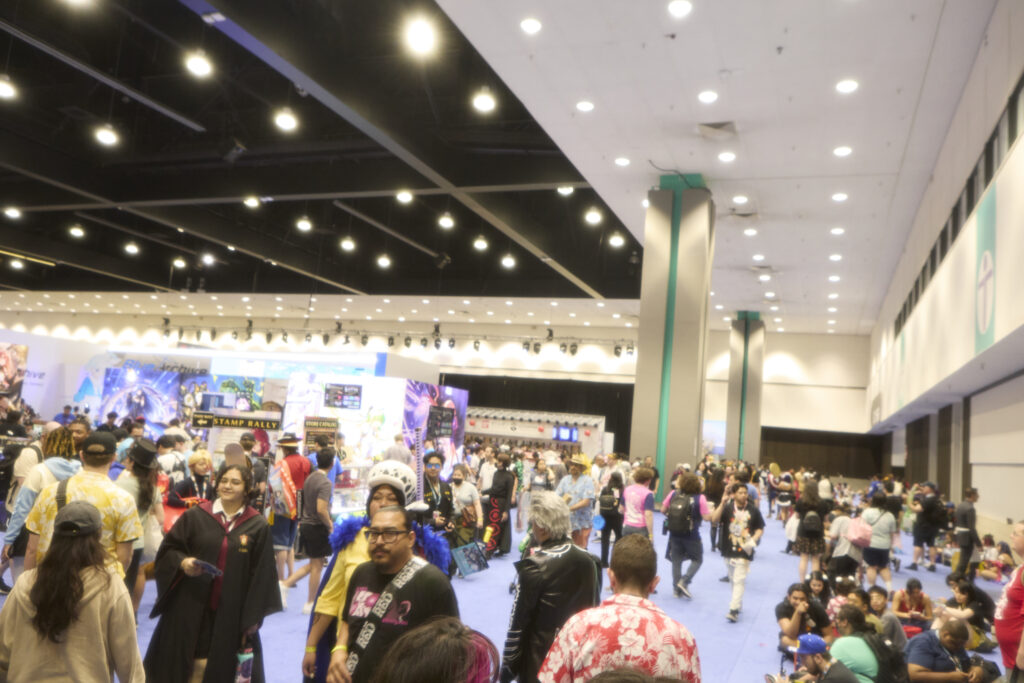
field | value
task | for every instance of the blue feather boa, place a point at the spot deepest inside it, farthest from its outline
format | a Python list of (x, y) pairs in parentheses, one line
[(431, 545)]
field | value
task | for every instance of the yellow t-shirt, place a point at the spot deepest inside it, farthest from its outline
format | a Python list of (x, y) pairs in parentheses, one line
[(117, 512), (332, 600)]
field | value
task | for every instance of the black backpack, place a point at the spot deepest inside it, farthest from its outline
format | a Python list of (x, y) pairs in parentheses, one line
[(812, 524), (892, 665), (680, 515), (11, 452), (608, 501)]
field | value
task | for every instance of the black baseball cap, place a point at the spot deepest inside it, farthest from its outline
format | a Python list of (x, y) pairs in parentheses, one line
[(99, 443), (77, 518)]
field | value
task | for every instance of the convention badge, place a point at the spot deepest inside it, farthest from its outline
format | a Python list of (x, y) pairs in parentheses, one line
[(243, 543)]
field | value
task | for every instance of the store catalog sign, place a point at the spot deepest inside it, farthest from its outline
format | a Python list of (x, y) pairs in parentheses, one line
[(203, 420)]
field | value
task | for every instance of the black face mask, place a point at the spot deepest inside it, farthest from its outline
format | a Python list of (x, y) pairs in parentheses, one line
[(456, 481)]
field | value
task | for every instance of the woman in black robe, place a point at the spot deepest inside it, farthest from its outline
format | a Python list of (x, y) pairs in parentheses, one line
[(205, 620), (502, 491)]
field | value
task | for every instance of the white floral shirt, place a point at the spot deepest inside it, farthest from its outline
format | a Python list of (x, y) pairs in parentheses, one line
[(625, 631)]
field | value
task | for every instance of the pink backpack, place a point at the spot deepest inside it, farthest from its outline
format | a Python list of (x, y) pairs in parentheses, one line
[(859, 532)]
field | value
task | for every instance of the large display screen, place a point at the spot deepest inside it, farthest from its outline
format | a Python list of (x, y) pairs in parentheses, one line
[(566, 433), (345, 396)]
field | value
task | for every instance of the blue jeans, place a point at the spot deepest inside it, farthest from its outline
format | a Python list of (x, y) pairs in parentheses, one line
[(684, 548)]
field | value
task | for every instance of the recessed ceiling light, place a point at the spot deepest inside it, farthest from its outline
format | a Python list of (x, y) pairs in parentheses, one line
[(347, 244), (758, 257), (833, 278), (843, 151), (837, 231), (179, 263), (286, 120), (600, 304), (252, 201), (646, 203), (106, 135), (208, 260), (230, 248), (420, 37), (483, 101), (621, 161), (404, 196), (426, 301), (769, 295), (593, 216), (585, 106), (764, 277), (740, 199), (750, 232), (198, 64), (727, 319), (450, 311), (530, 26), (832, 309), (465, 302), (572, 315), (131, 248), (384, 261), (616, 240), (835, 257), (565, 190), (778, 320), (508, 261), (508, 303), (831, 322), (680, 8), (781, 329), (773, 308), (833, 296), (17, 264), (616, 315), (708, 96), (304, 224), (831, 331), (554, 303), (7, 89), (847, 86), (719, 307), (446, 221), (401, 318), (840, 197), (480, 244), (245, 299), (727, 157), (12, 212)]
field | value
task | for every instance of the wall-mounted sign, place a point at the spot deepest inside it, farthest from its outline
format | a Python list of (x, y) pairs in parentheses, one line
[(201, 420)]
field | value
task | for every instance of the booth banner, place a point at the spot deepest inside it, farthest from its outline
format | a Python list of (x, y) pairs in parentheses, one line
[(142, 392), (13, 362), (204, 420), (319, 426)]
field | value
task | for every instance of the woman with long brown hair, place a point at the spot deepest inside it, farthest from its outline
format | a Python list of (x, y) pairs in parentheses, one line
[(71, 617)]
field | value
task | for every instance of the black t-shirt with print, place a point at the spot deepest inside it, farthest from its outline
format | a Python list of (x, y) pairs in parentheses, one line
[(427, 594), (733, 523), (814, 620)]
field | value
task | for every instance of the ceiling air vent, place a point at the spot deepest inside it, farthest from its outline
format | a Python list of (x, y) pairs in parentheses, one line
[(717, 132)]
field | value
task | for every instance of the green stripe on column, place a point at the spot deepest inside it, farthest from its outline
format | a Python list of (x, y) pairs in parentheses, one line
[(674, 183), (746, 317)]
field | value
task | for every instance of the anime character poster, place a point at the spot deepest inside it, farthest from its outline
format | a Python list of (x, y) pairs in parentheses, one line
[(224, 391), (437, 413), (13, 362), (142, 392)]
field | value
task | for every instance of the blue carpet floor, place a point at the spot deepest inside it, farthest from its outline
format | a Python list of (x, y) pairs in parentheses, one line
[(730, 653)]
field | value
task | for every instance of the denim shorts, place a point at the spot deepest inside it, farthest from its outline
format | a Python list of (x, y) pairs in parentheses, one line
[(283, 532)]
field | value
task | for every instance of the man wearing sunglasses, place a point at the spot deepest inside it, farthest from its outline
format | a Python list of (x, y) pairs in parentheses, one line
[(389, 595)]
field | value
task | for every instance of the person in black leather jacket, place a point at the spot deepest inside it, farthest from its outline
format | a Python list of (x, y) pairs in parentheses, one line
[(558, 580)]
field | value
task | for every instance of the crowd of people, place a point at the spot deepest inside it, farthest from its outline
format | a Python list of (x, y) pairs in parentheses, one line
[(93, 513)]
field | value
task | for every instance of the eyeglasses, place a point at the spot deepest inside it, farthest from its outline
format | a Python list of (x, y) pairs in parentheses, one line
[(433, 466), (388, 536)]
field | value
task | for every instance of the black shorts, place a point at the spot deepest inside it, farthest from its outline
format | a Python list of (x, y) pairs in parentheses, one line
[(924, 535), (876, 557), (314, 541)]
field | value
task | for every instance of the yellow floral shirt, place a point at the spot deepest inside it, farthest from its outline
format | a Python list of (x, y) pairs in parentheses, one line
[(117, 512), (331, 602)]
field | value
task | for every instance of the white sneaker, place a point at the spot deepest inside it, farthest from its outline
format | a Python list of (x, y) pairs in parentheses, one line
[(284, 594), (307, 608)]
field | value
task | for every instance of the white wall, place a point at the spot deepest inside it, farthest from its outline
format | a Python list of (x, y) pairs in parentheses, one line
[(996, 456), (811, 381), (944, 314)]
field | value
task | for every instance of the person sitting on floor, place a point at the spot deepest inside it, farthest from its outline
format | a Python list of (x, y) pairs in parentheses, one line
[(892, 629), (798, 615), (967, 607), (851, 648), (942, 652), (912, 606)]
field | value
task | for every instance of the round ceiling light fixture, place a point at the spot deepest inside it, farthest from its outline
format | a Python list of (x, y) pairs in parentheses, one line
[(843, 151), (131, 248), (758, 257), (483, 101), (198, 64), (446, 221), (12, 212), (404, 196), (837, 231), (616, 240), (847, 86), (106, 135), (622, 161), (480, 244), (76, 231), (420, 36), (286, 120), (708, 96), (680, 9), (347, 244), (207, 259), (727, 157), (252, 201), (384, 261), (833, 278), (585, 106), (304, 224), (750, 232), (840, 197), (530, 26), (740, 199), (835, 257), (508, 261), (17, 264), (179, 263), (7, 89), (565, 190), (593, 216)]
